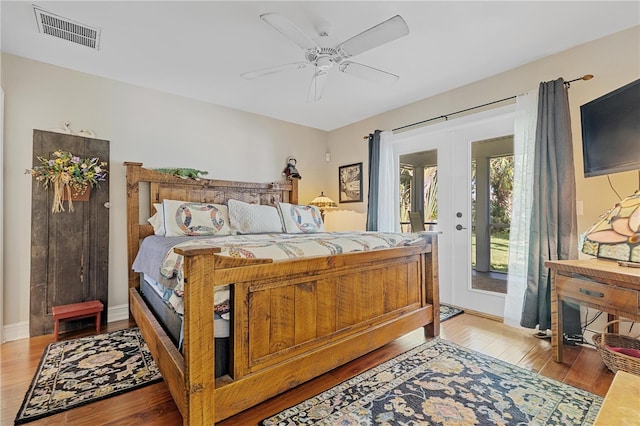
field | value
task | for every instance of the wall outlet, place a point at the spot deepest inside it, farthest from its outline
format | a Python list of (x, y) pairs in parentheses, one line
[(579, 208)]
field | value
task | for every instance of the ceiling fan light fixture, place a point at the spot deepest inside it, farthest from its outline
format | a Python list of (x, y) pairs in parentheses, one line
[(322, 57)]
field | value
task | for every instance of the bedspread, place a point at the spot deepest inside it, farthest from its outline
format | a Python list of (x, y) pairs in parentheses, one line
[(282, 247)]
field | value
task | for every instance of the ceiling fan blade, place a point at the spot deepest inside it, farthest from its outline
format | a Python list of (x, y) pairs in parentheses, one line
[(272, 70), (375, 36), (289, 30), (368, 73), (317, 85)]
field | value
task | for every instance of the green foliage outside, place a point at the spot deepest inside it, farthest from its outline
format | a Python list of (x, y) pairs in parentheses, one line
[(501, 189), (501, 176), (499, 250), (406, 177), (430, 192)]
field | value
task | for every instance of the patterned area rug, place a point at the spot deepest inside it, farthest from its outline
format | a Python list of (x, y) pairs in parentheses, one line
[(441, 383), (76, 372), (447, 312)]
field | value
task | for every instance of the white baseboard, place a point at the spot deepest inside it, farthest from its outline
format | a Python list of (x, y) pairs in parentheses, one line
[(118, 313), (20, 330), (16, 331)]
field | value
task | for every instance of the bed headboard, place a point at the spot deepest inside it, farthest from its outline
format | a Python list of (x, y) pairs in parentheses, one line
[(165, 186)]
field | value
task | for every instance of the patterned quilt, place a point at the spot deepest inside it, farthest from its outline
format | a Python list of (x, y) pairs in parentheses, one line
[(282, 247)]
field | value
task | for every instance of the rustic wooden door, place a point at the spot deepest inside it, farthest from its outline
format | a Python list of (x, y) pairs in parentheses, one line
[(69, 250)]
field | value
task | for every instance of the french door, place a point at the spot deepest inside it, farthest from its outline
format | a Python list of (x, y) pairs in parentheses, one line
[(453, 141)]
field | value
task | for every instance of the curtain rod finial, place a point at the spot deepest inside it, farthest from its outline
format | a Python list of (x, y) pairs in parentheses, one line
[(587, 77)]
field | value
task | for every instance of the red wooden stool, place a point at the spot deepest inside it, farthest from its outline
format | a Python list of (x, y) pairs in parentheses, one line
[(76, 311)]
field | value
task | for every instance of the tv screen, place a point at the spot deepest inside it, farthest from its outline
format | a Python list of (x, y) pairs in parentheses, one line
[(611, 131)]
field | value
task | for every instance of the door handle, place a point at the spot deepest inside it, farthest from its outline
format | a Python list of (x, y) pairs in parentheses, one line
[(460, 227)]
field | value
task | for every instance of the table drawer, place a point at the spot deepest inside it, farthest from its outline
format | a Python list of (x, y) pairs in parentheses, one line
[(614, 298)]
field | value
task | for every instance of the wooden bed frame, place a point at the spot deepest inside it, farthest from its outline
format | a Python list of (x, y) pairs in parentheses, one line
[(292, 320)]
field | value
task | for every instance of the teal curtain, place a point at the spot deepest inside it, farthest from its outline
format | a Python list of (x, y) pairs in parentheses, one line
[(553, 233), (374, 179)]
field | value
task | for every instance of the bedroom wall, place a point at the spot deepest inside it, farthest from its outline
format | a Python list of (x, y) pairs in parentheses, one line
[(158, 129), (613, 60), (163, 130)]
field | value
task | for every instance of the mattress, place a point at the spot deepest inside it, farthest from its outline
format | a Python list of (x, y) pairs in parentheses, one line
[(155, 295)]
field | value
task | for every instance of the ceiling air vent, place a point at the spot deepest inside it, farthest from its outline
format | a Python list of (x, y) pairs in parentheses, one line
[(66, 29)]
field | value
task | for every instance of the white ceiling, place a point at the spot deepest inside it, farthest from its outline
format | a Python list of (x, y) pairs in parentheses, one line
[(199, 49)]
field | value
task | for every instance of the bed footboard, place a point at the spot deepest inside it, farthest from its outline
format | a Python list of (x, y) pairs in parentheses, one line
[(298, 319)]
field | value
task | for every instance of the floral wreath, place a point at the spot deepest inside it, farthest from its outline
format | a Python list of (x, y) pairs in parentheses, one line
[(69, 175)]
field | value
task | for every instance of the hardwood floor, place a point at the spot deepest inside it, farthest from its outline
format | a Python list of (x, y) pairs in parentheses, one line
[(153, 405)]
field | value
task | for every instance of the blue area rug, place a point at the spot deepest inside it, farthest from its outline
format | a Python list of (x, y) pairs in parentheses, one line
[(441, 383), (447, 312)]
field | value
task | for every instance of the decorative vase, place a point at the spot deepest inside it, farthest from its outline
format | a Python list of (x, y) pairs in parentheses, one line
[(65, 192), (77, 195)]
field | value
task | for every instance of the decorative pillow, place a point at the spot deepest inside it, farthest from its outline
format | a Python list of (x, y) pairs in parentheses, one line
[(300, 219), (253, 218), (157, 220), (192, 219)]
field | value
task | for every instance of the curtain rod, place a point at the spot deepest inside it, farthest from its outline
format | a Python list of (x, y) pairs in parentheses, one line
[(446, 116)]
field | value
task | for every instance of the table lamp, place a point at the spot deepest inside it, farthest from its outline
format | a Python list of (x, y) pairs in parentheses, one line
[(616, 234), (322, 202)]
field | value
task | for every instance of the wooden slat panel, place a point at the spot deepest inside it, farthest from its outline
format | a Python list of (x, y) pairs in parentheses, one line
[(282, 334), (326, 307), (360, 298), (402, 280), (305, 312), (390, 290), (395, 287), (259, 323), (413, 283), (345, 301), (375, 290)]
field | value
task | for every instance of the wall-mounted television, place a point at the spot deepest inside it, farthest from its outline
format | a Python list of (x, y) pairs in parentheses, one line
[(611, 131)]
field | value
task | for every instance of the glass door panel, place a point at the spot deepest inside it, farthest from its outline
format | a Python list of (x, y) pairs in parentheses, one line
[(491, 187)]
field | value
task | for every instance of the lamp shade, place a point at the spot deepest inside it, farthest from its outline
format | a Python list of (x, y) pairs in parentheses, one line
[(323, 202), (616, 234)]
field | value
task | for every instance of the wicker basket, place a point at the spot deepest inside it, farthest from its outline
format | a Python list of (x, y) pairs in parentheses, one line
[(614, 360)]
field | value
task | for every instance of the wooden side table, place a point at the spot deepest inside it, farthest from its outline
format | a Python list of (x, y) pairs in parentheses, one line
[(596, 283)]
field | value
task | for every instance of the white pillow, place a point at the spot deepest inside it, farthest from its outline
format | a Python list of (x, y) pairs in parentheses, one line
[(300, 219), (253, 218), (192, 219), (157, 220)]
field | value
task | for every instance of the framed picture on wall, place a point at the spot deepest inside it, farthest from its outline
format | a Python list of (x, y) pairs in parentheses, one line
[(350, 183)]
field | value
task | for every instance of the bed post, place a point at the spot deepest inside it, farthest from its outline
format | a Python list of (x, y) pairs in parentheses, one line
[(198, 345), (432, 285), (293, 195), (133, 218)]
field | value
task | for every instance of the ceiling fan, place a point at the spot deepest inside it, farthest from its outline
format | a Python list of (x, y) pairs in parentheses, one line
[(323, 58)]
